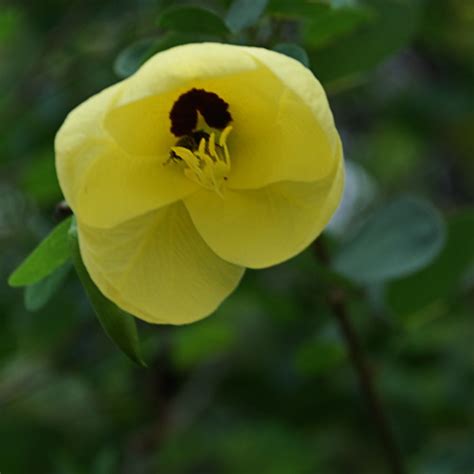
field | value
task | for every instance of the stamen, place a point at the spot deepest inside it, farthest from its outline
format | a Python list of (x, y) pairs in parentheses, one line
[(209, 164), (223, 142), (202, 147), (224, 135), (212, 144)]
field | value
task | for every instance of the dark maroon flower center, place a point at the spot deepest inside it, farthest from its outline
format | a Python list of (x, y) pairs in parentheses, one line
[(184, 114)]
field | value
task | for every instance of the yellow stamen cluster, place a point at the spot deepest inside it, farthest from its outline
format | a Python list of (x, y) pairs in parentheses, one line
[(209, 165)]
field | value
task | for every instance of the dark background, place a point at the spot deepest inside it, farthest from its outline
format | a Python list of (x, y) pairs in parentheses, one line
[(264, 385)]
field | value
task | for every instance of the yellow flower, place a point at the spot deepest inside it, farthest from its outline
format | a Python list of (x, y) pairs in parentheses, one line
[(210, 159)]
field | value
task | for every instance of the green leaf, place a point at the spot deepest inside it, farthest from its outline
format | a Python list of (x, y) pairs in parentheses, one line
[(132, 57), (293, 51), (292, 9), (191, 19), (392, 26), (332, 24), (323, 23), (37, 295), (49, 255), (441, 279), (244, 13), (118, 325), (401, 238)]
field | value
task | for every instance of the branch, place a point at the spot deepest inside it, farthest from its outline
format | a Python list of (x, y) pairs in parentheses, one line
[(338, 305)]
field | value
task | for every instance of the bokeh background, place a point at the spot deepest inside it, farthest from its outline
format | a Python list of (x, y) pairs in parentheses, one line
[(265, 385)]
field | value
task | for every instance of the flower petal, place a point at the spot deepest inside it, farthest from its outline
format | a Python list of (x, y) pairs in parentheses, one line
[(158, 267), (139, 121), (283, 127), (103, 184), (304, 84), (181, 66), (260, 228), (286, 130)]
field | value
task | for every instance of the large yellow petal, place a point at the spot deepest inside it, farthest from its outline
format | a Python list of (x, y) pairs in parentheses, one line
[(285, 131), (181, 66), (260, 228), (282, 125), (158, 267), (103, 183), (301, 81), (139, 120)]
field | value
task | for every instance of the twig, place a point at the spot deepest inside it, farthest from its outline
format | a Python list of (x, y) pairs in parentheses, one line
[(337, 303)]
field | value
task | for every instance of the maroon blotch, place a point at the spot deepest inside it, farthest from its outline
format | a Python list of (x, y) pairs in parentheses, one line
[(184, 116)]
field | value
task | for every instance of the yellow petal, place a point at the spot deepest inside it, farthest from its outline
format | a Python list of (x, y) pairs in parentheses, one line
[(139, 120), (103, 184), (305, 85), (260, 228), (157, 267), (283, 127), (286, 131), (181, 66)]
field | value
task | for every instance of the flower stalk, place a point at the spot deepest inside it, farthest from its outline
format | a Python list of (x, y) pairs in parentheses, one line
[(337, 302)]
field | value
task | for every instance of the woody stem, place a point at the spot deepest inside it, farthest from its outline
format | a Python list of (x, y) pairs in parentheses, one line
[(338, 305)]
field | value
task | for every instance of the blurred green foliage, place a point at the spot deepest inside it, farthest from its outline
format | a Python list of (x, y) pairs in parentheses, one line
[(265, 384)]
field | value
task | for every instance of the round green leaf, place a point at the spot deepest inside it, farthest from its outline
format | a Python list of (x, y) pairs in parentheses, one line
[(293, 51), (400, 238), (131, 58), (192, 19), (290, 8), (392, 26), (331, 24), (440, 279), (244, 13)]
